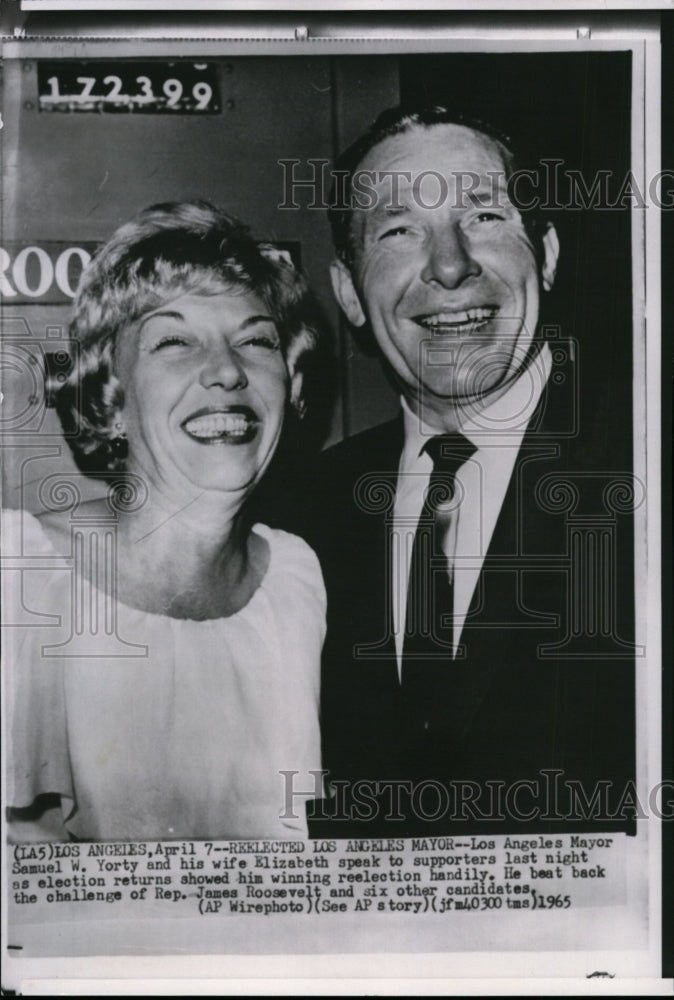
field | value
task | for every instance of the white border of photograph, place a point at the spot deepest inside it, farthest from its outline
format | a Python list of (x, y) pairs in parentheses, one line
[(525, 972)]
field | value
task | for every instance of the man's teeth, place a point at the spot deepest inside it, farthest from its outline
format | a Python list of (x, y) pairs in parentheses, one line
[(467, 316), (217, 424)]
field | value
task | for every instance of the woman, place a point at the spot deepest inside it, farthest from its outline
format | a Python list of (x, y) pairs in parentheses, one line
[(183, 678)]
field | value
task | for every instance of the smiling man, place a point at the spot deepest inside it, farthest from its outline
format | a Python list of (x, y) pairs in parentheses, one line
[(455, 262), (454, 690)]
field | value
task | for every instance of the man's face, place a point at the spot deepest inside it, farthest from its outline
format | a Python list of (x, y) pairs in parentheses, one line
[(443, 268)]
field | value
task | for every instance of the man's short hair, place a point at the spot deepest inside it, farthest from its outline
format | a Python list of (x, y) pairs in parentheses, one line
[(166, 251), (395, 121)]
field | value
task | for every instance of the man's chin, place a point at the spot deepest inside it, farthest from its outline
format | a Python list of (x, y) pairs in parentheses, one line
[(463, 391)]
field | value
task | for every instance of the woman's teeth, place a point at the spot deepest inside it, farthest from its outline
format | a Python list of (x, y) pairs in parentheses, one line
[(213, 426)]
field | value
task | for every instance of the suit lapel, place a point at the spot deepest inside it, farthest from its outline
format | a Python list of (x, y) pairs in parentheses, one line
[(497, 620)]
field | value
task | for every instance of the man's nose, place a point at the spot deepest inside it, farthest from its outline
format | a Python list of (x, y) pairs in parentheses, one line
[(449, 259), (223, 368)]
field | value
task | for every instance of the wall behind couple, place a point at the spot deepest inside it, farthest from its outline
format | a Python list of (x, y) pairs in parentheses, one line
[(70, 177)]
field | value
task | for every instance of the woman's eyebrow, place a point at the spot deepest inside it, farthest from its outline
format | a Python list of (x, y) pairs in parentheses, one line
[(166, 313), (252, 320), (175, 314)]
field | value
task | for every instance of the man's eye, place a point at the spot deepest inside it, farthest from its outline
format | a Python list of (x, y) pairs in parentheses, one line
[(394, 231), (489, 217)]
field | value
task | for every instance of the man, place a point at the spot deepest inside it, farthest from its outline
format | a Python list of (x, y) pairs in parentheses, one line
[(464, 684)]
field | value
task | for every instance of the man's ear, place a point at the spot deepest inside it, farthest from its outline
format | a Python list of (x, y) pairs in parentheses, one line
[(296, 385), (345, 293), (550, 257), (303, 341)]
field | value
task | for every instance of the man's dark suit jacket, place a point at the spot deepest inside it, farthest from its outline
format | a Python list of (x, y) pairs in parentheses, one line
[(543, 689)]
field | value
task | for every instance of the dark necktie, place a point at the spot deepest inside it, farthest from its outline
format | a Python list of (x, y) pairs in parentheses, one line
[(429, 623)]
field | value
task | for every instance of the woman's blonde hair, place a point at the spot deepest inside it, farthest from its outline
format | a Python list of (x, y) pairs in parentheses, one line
[(168, 250)]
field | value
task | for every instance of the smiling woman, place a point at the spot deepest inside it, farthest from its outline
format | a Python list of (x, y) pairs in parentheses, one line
[(203, 371), (192, 342)]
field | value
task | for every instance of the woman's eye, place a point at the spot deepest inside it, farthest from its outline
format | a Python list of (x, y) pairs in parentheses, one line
[(268, 343), (172, 340)]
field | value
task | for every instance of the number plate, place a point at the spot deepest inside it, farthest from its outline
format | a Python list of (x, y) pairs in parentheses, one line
[(147, 87)]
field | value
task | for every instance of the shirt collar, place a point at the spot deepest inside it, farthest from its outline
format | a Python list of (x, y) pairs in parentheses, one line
[(506, 418)]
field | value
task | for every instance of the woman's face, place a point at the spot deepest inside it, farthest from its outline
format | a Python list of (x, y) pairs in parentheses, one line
[(205, 385)]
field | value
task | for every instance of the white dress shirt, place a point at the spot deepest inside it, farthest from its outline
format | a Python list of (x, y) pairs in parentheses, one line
[(481, 484)]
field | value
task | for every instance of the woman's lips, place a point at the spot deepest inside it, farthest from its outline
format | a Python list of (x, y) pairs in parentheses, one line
[(226, 425)]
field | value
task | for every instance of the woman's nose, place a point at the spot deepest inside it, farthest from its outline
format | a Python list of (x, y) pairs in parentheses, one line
[(223, 368), (449, 260)]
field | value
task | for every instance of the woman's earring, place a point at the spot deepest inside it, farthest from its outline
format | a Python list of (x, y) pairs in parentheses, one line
[(119, 444)]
